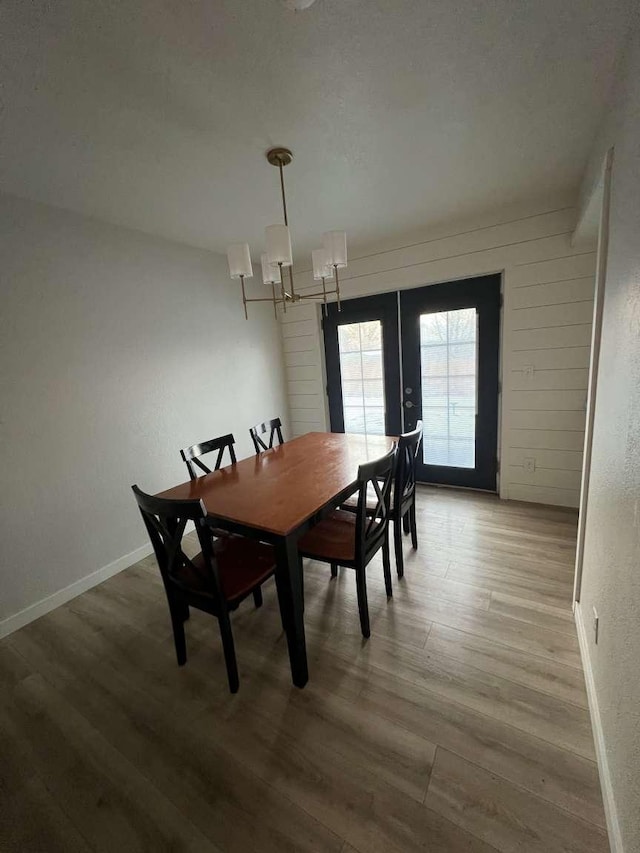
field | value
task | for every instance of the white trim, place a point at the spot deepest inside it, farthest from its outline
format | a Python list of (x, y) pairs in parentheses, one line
[(611, 815), (45, 605), (594, 359)]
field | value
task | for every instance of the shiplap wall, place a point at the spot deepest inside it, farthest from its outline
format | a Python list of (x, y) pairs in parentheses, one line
[(546, 330), (304, 366)]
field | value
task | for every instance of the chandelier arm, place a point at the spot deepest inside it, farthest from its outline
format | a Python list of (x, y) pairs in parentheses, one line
[(319, 294), (335, 266), (275, 304)]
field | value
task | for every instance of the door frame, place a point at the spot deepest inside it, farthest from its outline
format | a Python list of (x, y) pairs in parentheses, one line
[(484, 294), (386, 306)]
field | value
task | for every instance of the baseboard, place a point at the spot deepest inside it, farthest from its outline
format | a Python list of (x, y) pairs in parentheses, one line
[(45, 605), (611, 815)]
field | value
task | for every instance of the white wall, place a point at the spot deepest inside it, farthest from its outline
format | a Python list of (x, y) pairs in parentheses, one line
[(116, 350), (611, 567), (548, 309)]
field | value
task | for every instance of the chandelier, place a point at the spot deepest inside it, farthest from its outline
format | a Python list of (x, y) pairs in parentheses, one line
[(278, 257)]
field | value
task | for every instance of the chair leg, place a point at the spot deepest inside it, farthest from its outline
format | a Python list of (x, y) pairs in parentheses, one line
[(406, 523), (363, 607), (334, 570), (397, 542), (229, 651), (177, 623), (386, 565), (414, 527), (257, 596)]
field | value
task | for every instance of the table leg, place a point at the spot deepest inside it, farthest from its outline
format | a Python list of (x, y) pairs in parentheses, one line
[(289, 584)]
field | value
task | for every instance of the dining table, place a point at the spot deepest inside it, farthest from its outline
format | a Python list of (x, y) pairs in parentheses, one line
[(275, 497)]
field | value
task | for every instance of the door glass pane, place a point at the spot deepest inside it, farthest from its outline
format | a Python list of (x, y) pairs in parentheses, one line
[(448, 368), (360, 346)]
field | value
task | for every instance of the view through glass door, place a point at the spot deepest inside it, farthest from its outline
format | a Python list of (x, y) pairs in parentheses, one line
[(362, 372), (448, 360), (442, 341)]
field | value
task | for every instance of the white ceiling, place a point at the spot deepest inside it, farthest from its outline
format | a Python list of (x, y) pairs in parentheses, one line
[(156, 113)]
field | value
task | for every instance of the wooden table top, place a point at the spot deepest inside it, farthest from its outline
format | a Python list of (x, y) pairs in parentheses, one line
[(281, 488)]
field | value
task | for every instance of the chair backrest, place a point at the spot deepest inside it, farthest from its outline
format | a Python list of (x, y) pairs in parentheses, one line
[(273, 427), (405, 477), (165, 521), (191, 454), (374, 478)]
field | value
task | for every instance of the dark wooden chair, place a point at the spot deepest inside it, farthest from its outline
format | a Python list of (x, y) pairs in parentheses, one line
[(191, 455), (217, 580), (273, 427), (351, 539), (403, 507), (403, 494)]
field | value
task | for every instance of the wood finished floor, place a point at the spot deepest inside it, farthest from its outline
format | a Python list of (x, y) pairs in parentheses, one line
[(461, 725)]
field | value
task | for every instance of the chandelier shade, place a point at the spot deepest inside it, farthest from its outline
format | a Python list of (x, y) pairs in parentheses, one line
[(321, 267), (278, 242), (239, 259), (335, 246), (270, 273)]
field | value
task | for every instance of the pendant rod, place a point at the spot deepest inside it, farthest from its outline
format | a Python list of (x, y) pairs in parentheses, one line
[(281, 166), (317, 294), (284, 197)]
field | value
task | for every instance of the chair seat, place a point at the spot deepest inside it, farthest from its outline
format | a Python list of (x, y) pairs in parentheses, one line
[(333, 539), (243, 564)]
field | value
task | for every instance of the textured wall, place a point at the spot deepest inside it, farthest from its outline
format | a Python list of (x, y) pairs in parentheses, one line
[(611, 575), (116, 349)]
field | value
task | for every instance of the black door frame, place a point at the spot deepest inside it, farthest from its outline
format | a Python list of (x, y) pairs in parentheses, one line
[(402, 365), (383, 307), (484, 294)]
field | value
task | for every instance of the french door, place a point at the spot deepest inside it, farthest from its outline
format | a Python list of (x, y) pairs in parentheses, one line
[(429, 354)]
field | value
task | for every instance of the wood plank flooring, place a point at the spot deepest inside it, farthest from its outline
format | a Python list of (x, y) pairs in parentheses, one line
[(461, 725)]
